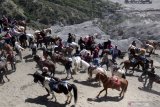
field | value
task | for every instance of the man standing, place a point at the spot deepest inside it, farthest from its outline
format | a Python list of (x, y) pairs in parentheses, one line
[(114, 53)]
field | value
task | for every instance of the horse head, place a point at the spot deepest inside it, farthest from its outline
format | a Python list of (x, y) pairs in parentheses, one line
[(100, 76), (37, 77)]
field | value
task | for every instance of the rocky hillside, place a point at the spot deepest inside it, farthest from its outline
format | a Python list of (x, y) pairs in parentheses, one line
[(57, 11), (134, 20)]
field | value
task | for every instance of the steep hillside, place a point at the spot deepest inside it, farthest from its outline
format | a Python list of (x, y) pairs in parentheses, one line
[(57, 11)]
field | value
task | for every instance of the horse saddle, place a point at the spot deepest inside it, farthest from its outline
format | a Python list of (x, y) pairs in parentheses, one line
[(115, 81), (54, 85), (133, 61)]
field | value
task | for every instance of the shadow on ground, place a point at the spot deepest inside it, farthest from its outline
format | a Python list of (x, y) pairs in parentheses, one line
[(42, 100)]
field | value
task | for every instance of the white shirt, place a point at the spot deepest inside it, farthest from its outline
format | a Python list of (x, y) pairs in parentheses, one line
[(18, 46)]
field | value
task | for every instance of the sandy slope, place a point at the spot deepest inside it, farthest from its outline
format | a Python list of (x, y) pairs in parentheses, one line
[(22, 92)]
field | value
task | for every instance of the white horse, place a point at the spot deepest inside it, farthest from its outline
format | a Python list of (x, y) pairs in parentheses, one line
[(84, 53), (76, 61), (91, 69), (74, 45), (116, 71)]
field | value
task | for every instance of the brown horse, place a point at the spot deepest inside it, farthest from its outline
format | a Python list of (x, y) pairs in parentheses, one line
[(110, 82), (3, 68), (67, 50), (45, 63), (54, 40), (58, 58), (129, 63), (10, 56)]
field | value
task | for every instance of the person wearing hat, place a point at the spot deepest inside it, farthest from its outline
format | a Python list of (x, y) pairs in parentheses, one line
[(68, 66), (45, 72)]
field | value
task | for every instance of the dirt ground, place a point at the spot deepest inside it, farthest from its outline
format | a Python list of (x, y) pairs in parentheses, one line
[(21, 91)]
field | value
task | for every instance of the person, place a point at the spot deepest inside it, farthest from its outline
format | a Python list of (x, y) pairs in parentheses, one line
[(53, 81), (7, 38), (95, 57), (114, 53), (69, 40), (81, 43), (39, 39), (33, 48), (60, 45), (88, 58), (19, 50), (77, 53), (5, 22), (109, 46), (134, 43), (45, 72), (105, 60), (45, 54), (68, 66), (89, 43)]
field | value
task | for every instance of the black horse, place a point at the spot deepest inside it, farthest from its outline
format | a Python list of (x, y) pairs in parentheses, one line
[(57, 86)]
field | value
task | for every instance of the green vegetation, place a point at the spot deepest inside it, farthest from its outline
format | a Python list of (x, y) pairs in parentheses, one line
[(56, 11)]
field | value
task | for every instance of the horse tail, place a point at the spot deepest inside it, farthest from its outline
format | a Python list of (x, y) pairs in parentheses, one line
[(124, 76), (75, 93), (125, 89)]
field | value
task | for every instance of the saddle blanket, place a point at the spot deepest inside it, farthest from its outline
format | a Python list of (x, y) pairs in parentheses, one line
[(115, 80)]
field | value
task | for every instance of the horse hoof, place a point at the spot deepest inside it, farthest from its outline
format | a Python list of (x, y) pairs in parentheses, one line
[(66, 102), (69, 102), (97, 96)]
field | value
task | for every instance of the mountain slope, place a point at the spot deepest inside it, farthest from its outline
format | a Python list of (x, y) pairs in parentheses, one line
[(57, 11)]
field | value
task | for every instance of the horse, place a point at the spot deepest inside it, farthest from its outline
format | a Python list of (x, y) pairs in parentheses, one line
[(58, 58), (67, 50), (91, 69), (76, 62), (9, 55), (151, 76), (140, 51), (3, 68), (84, 52), (45, 63), (116, 70), (149, 48), (114, 83), (129, 63), (59, 87), (154, 43)]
